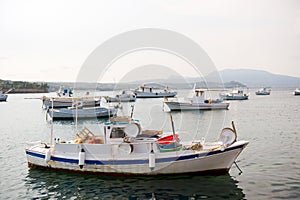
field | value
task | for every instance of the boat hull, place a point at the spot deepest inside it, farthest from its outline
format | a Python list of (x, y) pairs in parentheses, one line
[(124, 99), (174, 106), (177, 162), (234, 97), (3, 97), (64, 113), (296, 93), (155, 95), (262, 93)]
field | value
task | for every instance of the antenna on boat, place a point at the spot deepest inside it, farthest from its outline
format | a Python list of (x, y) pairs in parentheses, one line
[(194, 87)]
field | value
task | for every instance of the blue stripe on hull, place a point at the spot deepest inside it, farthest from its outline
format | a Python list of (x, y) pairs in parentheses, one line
[(35, 154), (131, 162)]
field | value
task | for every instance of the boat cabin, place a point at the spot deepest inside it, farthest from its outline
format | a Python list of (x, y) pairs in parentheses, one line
[(120, 127), (237, 92), (199, 96), (199, 93)]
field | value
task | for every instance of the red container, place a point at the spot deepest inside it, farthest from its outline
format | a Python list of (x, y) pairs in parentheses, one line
[(167, 139)]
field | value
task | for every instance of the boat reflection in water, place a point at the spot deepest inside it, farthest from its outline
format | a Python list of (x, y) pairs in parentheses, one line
[(52, 185)]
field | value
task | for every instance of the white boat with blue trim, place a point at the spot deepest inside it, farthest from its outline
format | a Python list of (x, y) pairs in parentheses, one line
[(126, 149), (65, 102), (3, 96), (235, 95), (81, 113), (154, 90), (263, 91), (297, 91), (197, 102), (124, 96)]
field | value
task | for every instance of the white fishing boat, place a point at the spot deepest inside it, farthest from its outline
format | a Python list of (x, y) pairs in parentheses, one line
[(263, 91), (82, 113), (125, 96), (197, 102), (65, 102), (3, 96), (153, 90), (235, 95), (126, 149), (297, 91)]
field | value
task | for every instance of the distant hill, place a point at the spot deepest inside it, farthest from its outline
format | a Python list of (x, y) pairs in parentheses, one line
[(233, 78), (255, 78)]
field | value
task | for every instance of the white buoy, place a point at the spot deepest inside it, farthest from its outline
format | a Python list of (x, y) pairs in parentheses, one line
[(151, 159), (48, 156), (81, 159)]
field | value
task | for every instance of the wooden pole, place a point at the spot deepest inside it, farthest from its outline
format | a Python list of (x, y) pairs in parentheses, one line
[(173, 128), (76, 117), (233, 128)]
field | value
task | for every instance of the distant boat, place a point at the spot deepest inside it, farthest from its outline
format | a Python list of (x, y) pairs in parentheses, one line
[(153, 90), (197, 102), (125, 96), (235, 95), (64, 102), (263, 91), (3, 96), (297, 91), (64, 92), (82, 113)]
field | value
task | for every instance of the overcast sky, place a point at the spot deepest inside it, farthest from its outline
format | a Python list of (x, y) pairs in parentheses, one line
[(50, 40)]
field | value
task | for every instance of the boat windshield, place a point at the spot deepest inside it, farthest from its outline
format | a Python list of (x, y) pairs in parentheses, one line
[(117, 132)]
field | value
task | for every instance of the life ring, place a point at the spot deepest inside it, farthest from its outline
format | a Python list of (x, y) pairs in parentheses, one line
[(125, 149)]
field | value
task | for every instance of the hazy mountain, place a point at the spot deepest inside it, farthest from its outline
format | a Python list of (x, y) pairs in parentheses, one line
[(231, 78), (255, 78), (235, 78)]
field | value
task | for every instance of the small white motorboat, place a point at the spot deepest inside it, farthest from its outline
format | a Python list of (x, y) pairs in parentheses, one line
[(65, 102), (153, 90), (3, 97), (297, 91), (125, 96), (263, 91), (82, 113), (235, 95), (126, 149), (197, 102)]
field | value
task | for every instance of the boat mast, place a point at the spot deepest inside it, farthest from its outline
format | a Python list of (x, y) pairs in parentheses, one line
[(76, 113), (51, 134)]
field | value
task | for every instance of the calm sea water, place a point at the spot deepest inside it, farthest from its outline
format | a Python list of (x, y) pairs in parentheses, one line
[(270, 163)]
